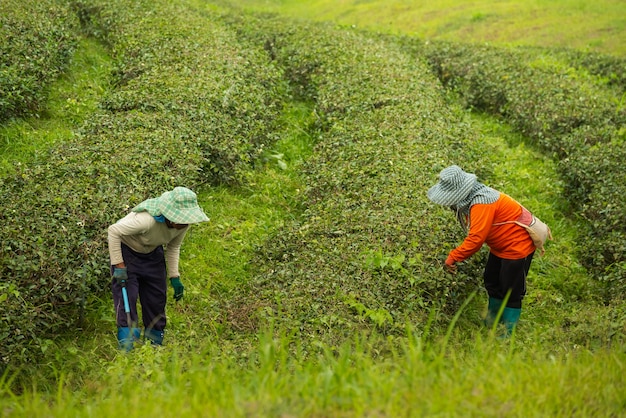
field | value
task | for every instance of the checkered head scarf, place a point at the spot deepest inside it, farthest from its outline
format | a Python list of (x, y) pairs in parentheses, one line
[(460, 190), (179, 206)]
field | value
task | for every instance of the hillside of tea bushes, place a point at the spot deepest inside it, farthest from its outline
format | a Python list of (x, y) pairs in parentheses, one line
[(196, 98), (195, 108)]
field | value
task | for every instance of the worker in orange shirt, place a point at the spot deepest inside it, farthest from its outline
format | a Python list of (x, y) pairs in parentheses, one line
[(486, 215)]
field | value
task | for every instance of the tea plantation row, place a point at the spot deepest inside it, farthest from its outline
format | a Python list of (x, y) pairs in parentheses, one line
[(367, 251), (577, 118), (196, 100), (37, 37), (191, 105)]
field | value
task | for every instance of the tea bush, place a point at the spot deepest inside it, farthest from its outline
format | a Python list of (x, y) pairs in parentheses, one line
[(37, 38), (228, 93), (544, 101), (571, 114), (195, 101), (368, 250), (191, 105), (610, 70)]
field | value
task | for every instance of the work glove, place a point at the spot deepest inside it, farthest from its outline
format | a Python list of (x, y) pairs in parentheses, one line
[(179, 289), (120, 274)]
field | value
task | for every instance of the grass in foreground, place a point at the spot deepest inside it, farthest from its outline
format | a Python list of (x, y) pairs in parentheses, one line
[(476, 376)]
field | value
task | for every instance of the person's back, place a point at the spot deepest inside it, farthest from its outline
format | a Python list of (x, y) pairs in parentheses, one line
[(489, 217)]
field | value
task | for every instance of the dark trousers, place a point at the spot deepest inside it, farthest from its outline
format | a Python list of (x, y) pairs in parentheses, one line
[(502, 275), (147, 281)]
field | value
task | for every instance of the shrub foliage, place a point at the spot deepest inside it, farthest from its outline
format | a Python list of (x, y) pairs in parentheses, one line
[(37, 38), (196, 100), (367, 252), (555, 100), (191, 106)]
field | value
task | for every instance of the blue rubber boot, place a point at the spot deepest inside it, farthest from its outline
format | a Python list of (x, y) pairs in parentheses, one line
[(124, 341), (492, 311), (510, 318), (125, 338), (155, 337)]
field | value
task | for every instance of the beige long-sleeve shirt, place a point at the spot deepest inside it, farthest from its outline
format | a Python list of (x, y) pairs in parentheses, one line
[(142, 233)]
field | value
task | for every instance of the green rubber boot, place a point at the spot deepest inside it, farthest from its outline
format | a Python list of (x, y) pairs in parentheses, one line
[(510, 318), (492, 311)]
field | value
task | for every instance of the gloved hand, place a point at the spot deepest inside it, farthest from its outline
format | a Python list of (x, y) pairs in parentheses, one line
[(449, 266), (120, 274), (179, 289)]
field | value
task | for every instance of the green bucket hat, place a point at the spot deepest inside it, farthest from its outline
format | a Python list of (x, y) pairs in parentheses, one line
[(179, 206), (453, 187)]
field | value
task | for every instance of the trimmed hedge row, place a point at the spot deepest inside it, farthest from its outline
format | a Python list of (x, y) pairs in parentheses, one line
[(570, 114), (544, 102), (192, 105), (37, 39), (368, 250), (228, 94), (611, 70)]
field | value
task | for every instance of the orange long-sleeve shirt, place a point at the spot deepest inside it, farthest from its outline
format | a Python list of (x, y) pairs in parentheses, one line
[(509, 241)]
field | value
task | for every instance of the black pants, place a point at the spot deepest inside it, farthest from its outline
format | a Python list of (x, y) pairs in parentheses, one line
[(502, 275), (147, 281)]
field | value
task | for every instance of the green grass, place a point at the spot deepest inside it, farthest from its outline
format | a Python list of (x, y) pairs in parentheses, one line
[(71, 99), (599, 26), (475, 376)]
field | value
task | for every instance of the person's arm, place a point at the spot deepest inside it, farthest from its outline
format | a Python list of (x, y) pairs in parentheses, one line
[(132, 224), (481, 218), (172, 254)]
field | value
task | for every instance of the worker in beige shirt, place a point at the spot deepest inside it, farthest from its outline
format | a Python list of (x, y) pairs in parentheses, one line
[(144, 247)]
